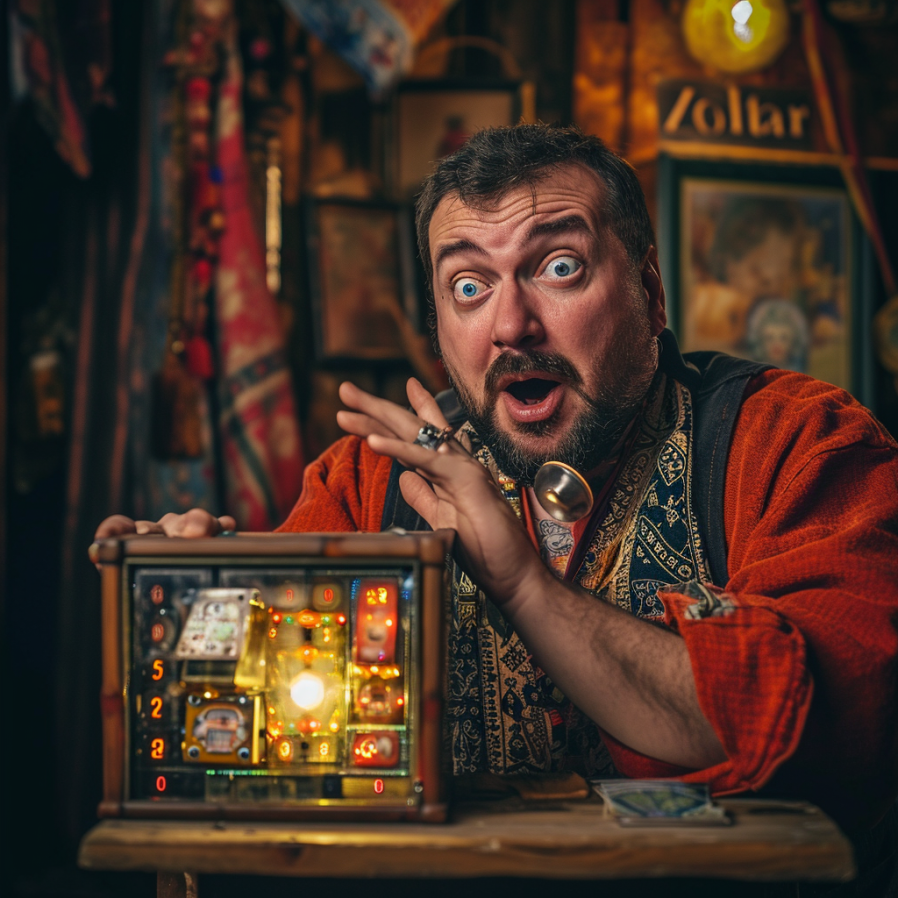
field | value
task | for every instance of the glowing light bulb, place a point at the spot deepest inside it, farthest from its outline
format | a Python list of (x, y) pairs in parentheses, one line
[(741, 12), (307, 690), (735, 37)]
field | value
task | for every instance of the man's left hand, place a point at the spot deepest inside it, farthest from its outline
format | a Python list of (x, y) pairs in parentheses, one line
[(449, 489)]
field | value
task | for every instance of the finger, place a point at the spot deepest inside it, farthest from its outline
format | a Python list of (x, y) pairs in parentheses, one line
[(447, 466), (192, 524), (146, 527), (227, 522), (116, 525), (395, 419), (424, 404), (361, 425), (419, 495)]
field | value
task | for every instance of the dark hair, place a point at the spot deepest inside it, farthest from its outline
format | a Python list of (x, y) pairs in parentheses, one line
[(495, 161)]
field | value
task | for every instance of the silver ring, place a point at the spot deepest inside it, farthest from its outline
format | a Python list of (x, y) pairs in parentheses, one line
[(431, 437)]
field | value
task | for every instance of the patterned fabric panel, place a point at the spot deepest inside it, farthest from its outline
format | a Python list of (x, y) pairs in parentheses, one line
[(505, 715)]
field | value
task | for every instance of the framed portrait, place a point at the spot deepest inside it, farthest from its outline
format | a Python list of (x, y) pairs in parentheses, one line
[(767, 263), (434, 118), (361, 278)]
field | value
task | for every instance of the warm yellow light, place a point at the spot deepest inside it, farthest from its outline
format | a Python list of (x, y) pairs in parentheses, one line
[(736, 35), (307, 690)]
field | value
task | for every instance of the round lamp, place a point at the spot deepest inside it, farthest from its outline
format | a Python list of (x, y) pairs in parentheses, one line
[(736, 36)]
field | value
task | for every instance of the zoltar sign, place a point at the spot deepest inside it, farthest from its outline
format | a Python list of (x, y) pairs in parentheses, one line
[(734, 114)]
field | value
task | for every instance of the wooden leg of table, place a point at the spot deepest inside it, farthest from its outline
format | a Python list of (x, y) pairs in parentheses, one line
[(176, 885)]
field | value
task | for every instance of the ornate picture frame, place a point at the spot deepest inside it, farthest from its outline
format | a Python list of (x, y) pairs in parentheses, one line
[(768, 262), (432, 119), (361, 278)]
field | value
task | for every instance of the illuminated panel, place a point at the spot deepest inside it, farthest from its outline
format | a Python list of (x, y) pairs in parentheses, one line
[(376, 622), (220, 730), (305, 692), (375, 749), (321, 719)]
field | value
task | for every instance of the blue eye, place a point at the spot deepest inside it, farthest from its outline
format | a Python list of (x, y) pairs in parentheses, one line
[(563, 267), (468, 288)]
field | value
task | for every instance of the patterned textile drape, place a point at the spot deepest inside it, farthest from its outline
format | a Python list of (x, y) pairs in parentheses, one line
[(61, 57), (251, 438), (260, 438)]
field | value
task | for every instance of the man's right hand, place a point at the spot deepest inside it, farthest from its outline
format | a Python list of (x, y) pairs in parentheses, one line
[(194, 523)]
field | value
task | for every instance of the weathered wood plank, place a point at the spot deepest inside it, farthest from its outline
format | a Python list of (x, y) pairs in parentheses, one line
[(766, 842)]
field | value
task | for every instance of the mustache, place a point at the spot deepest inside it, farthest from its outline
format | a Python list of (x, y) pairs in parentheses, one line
[(530, 361)]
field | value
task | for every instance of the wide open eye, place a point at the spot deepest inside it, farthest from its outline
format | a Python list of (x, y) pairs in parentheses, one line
[(468, 289), (562, 267)]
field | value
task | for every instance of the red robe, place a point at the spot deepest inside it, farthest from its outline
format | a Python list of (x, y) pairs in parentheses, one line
[(801, 682)]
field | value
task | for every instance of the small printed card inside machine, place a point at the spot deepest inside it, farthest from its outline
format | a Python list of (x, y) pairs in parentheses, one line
[(274, 676)]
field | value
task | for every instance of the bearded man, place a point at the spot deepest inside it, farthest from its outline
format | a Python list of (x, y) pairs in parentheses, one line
[(726, 611)]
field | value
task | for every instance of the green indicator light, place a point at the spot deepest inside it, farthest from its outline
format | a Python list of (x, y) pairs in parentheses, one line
[(326, 620), (288, 619)]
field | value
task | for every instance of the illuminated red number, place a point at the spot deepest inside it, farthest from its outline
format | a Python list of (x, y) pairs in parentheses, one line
[(157, 595), (161, 784), (157, 632), (378, 786), (289, 595), (157, 749), (156, 707), (158, 669), (328, 595)]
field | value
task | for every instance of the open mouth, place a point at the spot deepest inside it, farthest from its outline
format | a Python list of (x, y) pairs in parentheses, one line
[(531, 391)]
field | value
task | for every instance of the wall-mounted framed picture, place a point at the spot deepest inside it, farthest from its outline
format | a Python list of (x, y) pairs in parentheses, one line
[(432, 119), (361, 278), (768, 262)]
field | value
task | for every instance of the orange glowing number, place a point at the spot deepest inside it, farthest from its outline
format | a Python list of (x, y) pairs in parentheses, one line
[(378, 786), (161, 784), (157, 749), (285, 749), (323, 749), (156, 706), (158, 669)]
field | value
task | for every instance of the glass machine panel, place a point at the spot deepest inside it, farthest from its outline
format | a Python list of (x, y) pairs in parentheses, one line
[(278, 685)]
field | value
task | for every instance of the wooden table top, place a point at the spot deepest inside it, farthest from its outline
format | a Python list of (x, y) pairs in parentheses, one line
[(768, 840)]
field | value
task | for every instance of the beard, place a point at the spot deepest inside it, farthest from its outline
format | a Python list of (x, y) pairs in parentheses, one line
[(622, 379)]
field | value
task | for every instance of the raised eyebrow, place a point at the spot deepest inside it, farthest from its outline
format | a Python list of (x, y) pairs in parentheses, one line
[(453, 249), (567, 224)]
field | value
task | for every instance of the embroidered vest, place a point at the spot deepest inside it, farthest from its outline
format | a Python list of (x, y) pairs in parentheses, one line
[(662, 525)]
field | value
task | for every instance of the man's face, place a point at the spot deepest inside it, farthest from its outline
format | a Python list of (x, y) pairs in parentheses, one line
[(545, 327), (778, 342)]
